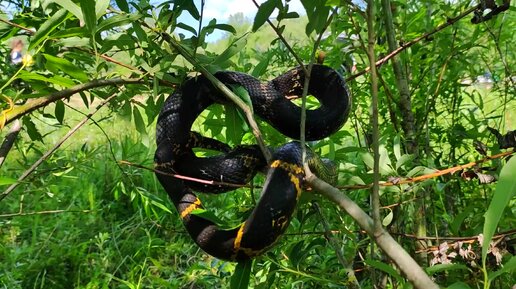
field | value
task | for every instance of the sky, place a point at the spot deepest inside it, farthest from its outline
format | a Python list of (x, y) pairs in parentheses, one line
[(222, 9)]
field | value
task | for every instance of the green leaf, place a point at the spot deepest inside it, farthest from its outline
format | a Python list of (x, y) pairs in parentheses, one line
[(222, 26), (71, 7), (47, 27), (234, 124), (264, 12), (70, 32), (88, 13), (388, 219), (505, 190), (56, 64), (240, 279), (445, 267), (6, 181), (32, 131), (59, 80), (208, 215), (237, 46), (186, 27), (508, 267), (397, 147), (385, 268), (100, 8), (458, 285), (261, 67), (138, 121), (403, 160), (59, 111), (122, 4), (117, 21)]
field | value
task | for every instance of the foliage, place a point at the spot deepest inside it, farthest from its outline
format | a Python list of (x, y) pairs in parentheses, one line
[(84, 220)]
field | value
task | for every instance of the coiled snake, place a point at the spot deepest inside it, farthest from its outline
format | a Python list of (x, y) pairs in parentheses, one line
[(284, 182)]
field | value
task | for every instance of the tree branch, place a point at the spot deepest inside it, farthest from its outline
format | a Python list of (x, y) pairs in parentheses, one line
[(280, 36), (375, 194), (406, 45), (383, 239), (225, 90), (436, 174), (33, 104)]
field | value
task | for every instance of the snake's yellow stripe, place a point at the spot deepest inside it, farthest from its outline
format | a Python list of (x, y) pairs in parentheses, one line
[(189, 209), (293, 168), (238, 238)]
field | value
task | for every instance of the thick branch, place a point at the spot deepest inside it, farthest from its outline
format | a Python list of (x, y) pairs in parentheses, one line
[(33, 104), (375, 195), (405, 102), (413, 272)]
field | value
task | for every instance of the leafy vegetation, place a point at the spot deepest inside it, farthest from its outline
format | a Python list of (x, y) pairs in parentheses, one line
[(87, 218)]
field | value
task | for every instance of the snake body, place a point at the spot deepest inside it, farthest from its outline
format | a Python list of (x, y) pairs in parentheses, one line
[(284, 181)]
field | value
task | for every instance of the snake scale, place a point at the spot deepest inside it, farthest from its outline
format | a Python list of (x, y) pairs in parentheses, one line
[(284, 181)]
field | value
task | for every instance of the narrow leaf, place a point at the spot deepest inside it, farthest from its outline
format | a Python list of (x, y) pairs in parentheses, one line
[(46, 28), (59, 111), (6, 181), (264, 12), (56, 64), (122, 4), (138, 121), (505, 190), (117, 21), (100, 8), (458, 285), (234, 131), (240, 278), (88, 14), (71, 7), (385, 268)]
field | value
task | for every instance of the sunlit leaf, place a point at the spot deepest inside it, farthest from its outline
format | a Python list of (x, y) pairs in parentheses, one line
[(264, 12), (46, 28), (504, 192)]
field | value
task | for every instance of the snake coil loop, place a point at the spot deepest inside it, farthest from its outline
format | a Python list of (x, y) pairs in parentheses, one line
[(284, 181)]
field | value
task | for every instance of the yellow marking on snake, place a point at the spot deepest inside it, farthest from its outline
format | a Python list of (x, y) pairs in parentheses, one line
[(238, 238), (189, 209), (295, 181), (293, 168)]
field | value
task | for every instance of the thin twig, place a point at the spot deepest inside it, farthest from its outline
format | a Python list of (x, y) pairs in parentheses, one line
[(186, 178), (21, 214), (224, 89), (406, 45), (287, 45), (18, 26), (340, 256), (435, 174), (33, 104), (54, 148), (9, 141)]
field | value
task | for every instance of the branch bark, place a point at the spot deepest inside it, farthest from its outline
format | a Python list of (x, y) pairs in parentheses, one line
[(33, 104), (413, 272)]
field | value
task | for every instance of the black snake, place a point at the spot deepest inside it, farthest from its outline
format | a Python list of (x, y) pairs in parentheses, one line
[(284, 182)]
